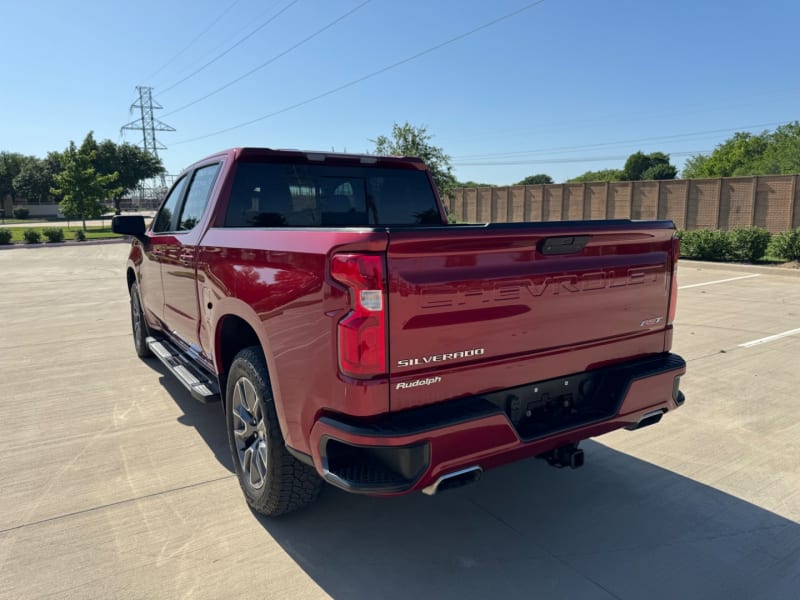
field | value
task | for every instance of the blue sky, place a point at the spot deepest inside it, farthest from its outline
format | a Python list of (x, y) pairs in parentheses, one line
[(561, 88)]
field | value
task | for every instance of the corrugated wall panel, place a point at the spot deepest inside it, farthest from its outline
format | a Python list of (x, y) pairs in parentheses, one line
[(484, 214), (672, 202), (796, 219), (712, 203), (552, 202), (644, 204), (619, 201), (736, 203), (703, 204), (448, 202), (499, 205), (457, 204), (471, 205), (595, 207), (534, 201), (516, 204), (773, 208), (572, 202)]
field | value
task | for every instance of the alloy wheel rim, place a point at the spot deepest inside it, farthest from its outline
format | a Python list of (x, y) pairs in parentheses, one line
[(137, 321), (250, 433)]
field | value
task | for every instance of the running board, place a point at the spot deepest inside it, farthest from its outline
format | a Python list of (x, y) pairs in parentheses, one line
[(193, 378)]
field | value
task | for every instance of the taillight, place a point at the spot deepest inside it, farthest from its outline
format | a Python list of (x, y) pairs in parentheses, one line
[(362, 331), (673, 295)]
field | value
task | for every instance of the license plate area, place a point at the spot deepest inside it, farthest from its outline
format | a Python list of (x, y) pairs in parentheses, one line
[(546, 407)]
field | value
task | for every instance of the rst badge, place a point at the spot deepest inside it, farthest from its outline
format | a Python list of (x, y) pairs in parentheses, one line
[(651, 322)]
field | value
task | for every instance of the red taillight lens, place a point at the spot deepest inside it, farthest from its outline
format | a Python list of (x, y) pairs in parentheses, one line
[(362, 331), (673, 295)]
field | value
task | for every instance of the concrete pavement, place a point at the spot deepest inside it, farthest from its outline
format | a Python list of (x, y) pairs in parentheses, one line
[(116, 484)]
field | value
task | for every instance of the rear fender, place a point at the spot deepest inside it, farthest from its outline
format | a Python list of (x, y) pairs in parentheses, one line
[(226, 307)]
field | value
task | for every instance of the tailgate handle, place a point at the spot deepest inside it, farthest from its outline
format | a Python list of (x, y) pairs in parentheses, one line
[(563, 245)]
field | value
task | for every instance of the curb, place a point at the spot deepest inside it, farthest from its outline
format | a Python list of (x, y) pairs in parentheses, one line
[(792, 271), (122, 240)]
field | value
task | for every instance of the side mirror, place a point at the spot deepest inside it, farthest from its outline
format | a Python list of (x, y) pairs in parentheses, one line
[(132, 225)]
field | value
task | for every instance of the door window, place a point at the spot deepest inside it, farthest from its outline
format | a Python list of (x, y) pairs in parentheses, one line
[(164, 218), (197, 197)]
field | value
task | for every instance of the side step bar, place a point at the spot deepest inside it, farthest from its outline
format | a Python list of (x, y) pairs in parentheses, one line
[(199, 384)]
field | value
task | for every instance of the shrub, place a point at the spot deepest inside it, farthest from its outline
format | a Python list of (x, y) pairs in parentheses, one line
[(5, 237), (687, 239), (21, 213), (713, 244), (706, 244), (80, 236), (749, 243), (786, 244), (31, 236), (54, 234)]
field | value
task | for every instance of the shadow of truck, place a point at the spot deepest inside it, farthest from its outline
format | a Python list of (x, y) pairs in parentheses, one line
[(617, 528)]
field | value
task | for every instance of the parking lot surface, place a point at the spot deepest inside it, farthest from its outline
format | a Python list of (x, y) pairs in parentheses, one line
[(116, 484)]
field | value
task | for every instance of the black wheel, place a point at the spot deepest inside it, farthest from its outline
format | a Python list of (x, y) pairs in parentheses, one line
[(273, 481), (138, 324)]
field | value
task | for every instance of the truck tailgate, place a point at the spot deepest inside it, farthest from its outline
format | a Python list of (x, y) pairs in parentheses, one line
[(466, 297)]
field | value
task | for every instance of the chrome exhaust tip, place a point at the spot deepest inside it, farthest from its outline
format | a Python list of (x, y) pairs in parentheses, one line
[(650, 418), (454, 480)]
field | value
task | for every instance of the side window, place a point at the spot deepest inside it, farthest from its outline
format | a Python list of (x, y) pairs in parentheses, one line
[(263, 197), (163, 221), (197, 197)]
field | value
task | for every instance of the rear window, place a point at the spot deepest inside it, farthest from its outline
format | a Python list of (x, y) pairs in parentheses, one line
[(302, 195)]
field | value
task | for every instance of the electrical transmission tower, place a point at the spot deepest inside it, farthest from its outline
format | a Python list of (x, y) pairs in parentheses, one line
[(147, 124)]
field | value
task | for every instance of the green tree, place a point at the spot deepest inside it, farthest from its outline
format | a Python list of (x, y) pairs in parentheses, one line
[(11, 164), (408, 140), (82, 189), (604, 175), (782, 154), (648, 166), (473, 184), (535, 179), (34, 180), (132, 164), (767, 153), (739, 155), (695, 167), (660, 171)]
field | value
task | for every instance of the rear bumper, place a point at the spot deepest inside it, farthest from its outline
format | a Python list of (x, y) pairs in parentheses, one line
[(410, 450)]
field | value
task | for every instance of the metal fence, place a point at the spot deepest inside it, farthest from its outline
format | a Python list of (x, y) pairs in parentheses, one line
[(769, 201)]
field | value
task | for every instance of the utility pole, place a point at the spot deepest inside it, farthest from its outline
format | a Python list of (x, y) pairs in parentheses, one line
[(147, 124)]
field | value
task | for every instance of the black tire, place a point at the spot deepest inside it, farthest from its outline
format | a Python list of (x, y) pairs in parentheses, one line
[(273, 481), (138, 324)]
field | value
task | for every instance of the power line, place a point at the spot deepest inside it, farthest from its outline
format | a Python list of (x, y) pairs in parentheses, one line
[(370, 75), (233, 35), (271, 60), (191, 43), (564, 160), (640, 117), (559, 149), (236, 45)]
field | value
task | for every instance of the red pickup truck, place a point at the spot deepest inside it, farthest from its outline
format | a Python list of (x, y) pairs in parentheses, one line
[(355, 337)]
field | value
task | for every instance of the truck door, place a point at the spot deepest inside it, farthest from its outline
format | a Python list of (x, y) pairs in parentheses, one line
[(178, 263), (150, 285)]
